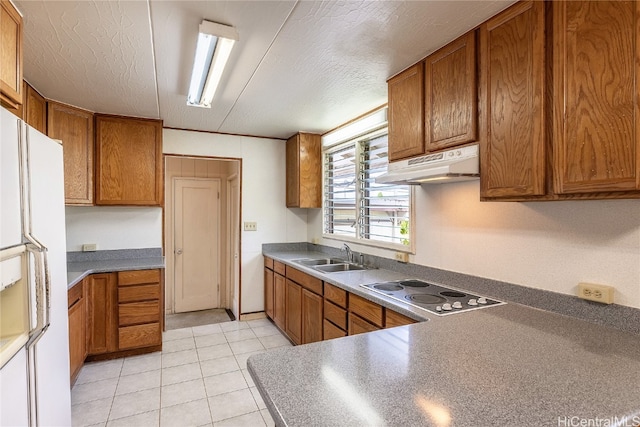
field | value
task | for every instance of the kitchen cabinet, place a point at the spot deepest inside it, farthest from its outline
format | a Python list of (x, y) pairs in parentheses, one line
[(279, 295), (596, 121), (331, 331), (128, 161), (304, 171), (102, 324), (74, 127), (514, 125), (358, 325), (311, 317), (451, 92), (393, 319), (139, 309), (293, 307), (406, 113), (370, 311), (77, 329), (11, 89), (335, 312), (268, 287), (34, 108)]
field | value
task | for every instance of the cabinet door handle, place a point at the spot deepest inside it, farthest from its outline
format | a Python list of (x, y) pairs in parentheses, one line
[(178, 251)]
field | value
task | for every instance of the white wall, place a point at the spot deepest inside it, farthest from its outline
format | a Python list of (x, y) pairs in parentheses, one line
[(263, 198), (113, 227), (544, 245)]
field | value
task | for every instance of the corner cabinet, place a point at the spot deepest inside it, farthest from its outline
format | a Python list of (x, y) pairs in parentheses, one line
[(128, 161), (11, 89), (406, 113), (596, 92), (304, 171), (451, 94), (514, 109), (74, 127)]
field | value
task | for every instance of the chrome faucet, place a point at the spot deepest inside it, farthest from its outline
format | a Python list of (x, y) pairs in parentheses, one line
[(347, 249)]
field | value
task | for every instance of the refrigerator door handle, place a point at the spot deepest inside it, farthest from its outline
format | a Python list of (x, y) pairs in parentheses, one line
[(42, 293)]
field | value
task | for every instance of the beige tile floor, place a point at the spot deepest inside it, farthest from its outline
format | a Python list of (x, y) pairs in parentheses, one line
[(199, 379)]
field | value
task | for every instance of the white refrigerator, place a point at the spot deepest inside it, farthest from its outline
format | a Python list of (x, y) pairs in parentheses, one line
[(34, 341)]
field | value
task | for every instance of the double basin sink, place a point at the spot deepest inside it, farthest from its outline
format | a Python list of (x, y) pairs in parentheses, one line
[(329, 265)]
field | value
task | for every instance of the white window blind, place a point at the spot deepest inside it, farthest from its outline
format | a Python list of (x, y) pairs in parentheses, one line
[(355, 207)]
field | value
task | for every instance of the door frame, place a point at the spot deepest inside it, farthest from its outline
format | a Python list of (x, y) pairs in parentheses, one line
[(233, 266), (169, 284)]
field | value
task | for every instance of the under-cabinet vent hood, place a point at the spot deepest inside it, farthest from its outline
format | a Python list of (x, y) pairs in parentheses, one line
[(459, 164)]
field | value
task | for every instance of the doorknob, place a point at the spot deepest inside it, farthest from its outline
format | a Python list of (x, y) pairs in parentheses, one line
[(178, 251)]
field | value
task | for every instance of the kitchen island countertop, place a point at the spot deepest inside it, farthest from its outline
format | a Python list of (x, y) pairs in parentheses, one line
[(505, 365)]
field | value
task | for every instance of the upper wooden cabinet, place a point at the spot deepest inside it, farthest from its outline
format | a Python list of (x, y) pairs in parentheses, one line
[(74, 127), (35, 108), (512, 95), (128, 161), (10, 55), (304, 171), (451, 93), (406, 113), (596, 93)]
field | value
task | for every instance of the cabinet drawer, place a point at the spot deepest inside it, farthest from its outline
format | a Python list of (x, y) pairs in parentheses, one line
[(138, 277), (368, 310), (139, 336), (335, 295), (331, 331), (307, 282), (279, 268), (335, 314), (393, 319), (138, 293), (357, 325), (268, 263), (75, 294), (138, 312)]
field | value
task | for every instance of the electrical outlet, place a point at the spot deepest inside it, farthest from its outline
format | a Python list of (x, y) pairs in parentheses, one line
[(250, 226), (89, 247), (402, 257), (594, 292)]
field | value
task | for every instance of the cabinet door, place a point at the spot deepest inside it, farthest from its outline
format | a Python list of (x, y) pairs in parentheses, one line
[(393, 319), (268, 293), (279, 300), (358, 325), (77, 329), (596, 64), (102, 313), (406, 113), (293, 317), (451, 94), (74, 127), (512, 70), (11, 55), (128, 161), (311, 317), (304, 171), (35, 109)]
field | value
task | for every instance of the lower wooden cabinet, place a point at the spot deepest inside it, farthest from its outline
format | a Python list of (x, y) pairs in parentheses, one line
[(102, 324), (358, 325), (393, 319), (279, 300), (77, 329), (268, 291), (139, 336), (311, 317), (331, 331), (293, 316)]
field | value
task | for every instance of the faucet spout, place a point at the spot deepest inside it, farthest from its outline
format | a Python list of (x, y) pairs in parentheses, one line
[(347, 249)]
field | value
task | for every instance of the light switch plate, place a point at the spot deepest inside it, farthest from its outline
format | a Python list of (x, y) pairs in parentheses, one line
[(250, 226)]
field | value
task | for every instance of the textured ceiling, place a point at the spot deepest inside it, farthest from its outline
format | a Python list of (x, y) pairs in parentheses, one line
[(299, 65)]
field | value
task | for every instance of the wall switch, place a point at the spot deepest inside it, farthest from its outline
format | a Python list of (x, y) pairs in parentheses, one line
[(594, 292), (402, 257), (89, 247), (250, 226)]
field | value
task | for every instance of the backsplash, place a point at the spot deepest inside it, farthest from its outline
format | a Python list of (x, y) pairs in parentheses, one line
[(615, 316), (114, 254)]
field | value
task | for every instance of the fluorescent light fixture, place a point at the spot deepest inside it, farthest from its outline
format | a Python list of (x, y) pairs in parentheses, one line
[(366, 124), (215, 42)]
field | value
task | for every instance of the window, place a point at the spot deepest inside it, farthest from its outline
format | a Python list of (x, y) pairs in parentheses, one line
[(355, 207)]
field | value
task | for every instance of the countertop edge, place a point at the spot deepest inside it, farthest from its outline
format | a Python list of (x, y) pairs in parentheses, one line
[(76, 271)]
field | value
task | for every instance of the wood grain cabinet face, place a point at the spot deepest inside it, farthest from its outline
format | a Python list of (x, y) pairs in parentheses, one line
[(35, 109), (279, 300), (293, 316), (77, 329), (512, 86), (311, 317), (102, 312), (11, 89), (268, 292), (74, 127), (451, 93), (406, 113), (128, 161), (596, 66), (304, 171)]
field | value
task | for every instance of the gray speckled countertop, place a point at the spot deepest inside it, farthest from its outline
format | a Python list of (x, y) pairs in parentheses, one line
[(111, 261), (503, 365)]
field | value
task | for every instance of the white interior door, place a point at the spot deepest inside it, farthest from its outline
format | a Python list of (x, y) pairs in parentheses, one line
[(196, 244)]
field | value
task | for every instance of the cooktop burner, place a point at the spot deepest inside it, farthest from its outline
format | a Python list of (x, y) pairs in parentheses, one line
[(431, 297)]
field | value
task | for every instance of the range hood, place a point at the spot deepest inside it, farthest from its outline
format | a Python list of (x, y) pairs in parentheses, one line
[(459, 164)]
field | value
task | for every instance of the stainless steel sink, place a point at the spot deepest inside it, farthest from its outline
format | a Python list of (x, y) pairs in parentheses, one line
[(321, 261), (332, 268)]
